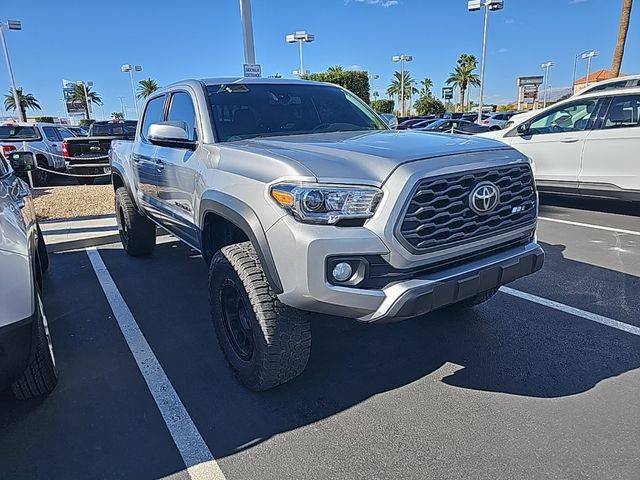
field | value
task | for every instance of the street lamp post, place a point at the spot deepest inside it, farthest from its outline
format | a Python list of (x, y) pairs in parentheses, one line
[(402, 58), (546, 66), (490, 6), (11, 25), (372, 78), (300, 37), (123, 108), (127, 67), (86, 95), (588, 56)]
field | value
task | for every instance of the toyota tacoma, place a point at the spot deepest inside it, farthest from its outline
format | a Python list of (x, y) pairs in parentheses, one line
[(301, 199)]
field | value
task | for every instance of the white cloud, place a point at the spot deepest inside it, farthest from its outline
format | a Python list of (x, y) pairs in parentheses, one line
[(381, 3), (510, 21), (355, 68), (503, 50), (575, 2)]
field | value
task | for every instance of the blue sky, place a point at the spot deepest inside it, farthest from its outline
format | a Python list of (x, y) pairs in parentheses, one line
[(202, 38)]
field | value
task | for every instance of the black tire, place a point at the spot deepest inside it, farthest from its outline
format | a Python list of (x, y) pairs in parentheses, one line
[(43, 255), (494, 128), (137, 232), (275, 341), (41, 376), (476, 299), (40, 177), (85, 180)]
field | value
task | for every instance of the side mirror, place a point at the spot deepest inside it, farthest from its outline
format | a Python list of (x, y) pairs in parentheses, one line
[(22, 162), (523, 129), (390, 120), (170, 134)]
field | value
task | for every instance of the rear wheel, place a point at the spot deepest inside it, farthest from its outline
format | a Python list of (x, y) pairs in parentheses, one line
[(137, 232), (41, 376), (40, 177), (265, 342)]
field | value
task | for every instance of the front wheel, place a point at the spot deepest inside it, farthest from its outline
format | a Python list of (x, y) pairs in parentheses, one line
[(137, 232), (265, 342)]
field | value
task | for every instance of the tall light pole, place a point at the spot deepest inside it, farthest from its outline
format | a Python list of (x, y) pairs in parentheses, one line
[(300, 37), (489, 6), (372, 78), (402, 58), (546, 66), (127, 67), (247, 32), (86, 95), (588, 56), (123, 108), (12, 25)]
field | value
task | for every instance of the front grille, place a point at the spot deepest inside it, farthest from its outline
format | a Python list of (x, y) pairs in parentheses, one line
[(438, 214)]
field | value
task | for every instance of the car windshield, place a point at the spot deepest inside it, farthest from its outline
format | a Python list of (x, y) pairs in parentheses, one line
[(241, 111), (114, 129), (437, 124), (16, 132)]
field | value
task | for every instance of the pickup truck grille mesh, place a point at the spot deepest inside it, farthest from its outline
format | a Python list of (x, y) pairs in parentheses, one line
[(439, 215)]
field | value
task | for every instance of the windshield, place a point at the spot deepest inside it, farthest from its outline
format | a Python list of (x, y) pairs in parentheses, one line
[(435, 125), (16, 132), (241, 111), (114, 129)]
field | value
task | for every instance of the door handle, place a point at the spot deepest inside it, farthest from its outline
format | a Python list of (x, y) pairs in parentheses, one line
[(569, 140), (159, 165), (135, 158)]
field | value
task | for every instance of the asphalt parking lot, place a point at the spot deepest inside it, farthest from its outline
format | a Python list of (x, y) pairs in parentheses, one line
[(525, 386)]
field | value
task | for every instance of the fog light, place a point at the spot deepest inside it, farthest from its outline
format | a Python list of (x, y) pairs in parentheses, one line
[(342, 272)]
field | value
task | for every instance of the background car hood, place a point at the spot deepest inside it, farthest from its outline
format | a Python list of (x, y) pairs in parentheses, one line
[(368, 157)]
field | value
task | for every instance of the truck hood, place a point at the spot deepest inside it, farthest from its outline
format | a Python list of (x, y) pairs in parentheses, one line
[(368, 157)]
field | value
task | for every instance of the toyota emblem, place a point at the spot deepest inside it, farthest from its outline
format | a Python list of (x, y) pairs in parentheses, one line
[(484, 198)]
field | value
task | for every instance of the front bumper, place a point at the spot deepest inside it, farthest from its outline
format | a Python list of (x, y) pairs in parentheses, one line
[(301, 251)]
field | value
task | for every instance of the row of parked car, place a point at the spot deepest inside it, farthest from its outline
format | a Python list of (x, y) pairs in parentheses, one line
[(461, 123), (65, 149)]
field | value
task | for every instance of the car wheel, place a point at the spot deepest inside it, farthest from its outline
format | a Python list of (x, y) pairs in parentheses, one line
[(43, 255), (265, 342), (494, 128), (40, 177), (137, 232), (41, 376), (85, 180)]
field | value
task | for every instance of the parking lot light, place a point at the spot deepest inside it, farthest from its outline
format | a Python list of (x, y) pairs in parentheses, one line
[(489, 6), (127, 67), (546, 66), (11, 25), (402, 58), (588, 56), (300, 37)]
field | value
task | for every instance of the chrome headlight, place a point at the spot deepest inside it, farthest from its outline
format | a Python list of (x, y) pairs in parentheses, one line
[(326, 204)]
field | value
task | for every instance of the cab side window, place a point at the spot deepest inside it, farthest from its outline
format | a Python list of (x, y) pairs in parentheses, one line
[(624, 112), (573, 117), (51, 133), (64, 133), (182, 110), (153, 113)]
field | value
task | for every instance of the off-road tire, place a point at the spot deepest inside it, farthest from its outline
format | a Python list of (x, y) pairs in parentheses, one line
[(137, 232), (40, 177), (476, 299), (41, 376), (281, 334), (85, 180)]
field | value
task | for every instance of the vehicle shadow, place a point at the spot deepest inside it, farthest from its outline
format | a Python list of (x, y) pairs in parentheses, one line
[(507, 346), (548, 201)]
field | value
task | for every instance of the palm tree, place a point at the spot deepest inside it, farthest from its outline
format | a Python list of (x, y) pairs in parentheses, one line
[(622, 37), (463, 77), (396, 86), (146, 88), (27, 101), (468, 60), (77, 97), (427, 85), (117, 115)]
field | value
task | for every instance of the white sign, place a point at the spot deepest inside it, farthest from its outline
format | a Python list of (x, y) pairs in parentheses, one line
[(252, 70)]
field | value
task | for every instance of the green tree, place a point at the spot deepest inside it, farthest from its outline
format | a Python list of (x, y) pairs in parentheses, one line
[(395, 88), (357, 82), (463, 76), (146, 88), (383, 106), (78, 98), (27, 102), (429, 105), (117, 115), (427, 85)]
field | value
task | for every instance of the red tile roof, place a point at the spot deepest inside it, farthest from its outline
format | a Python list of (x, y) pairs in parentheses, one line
[(596, 77)]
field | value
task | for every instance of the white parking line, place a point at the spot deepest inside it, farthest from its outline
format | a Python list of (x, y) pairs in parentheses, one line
[(589, 225), (594, 317), (194, 451)]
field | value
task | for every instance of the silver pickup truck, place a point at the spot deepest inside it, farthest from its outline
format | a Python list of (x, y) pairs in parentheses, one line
[(301, 199)]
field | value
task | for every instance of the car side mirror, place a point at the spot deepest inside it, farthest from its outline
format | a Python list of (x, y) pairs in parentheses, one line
[(390, 120), (171, 134), (523, 129), (22, 162)]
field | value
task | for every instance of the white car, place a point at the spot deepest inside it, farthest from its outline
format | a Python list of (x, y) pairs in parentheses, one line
[(585, 145), (43, 139), (497, 120), (611, 84), (27, 363)]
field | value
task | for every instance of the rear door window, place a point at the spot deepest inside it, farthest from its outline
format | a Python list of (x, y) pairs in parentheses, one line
[(51, 133), (623, 112)]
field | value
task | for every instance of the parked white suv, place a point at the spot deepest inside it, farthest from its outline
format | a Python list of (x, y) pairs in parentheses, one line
[(43, 139), (585, 145), (497, 120), (27, 362), (611, 84)]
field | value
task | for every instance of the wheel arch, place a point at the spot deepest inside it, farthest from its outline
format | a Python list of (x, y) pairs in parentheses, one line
[(217, 205)]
